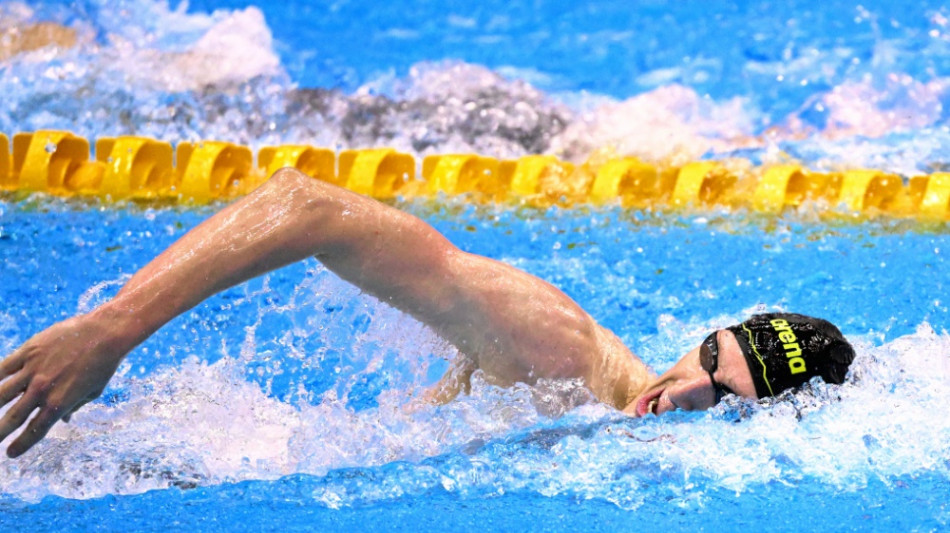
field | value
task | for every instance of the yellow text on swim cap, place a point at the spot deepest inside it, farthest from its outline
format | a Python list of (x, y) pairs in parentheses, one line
[(796, 364)]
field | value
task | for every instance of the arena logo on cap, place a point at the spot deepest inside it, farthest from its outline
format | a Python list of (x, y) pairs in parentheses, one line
[(793, 351)]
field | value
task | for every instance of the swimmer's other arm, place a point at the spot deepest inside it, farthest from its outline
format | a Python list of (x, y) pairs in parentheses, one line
[(470, 300)]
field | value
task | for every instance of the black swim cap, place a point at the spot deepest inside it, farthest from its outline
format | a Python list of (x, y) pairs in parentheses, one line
[(785, 350)]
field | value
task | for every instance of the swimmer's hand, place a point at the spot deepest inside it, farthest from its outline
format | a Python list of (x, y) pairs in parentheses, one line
[(57, 372)]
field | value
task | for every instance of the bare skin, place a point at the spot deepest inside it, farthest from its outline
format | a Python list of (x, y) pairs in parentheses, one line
[(512, 326), (686, 385), (26, 38)]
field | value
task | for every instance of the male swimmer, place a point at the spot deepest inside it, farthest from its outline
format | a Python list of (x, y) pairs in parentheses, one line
[(509, 324)]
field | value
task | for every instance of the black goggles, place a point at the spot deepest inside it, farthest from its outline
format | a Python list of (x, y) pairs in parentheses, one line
[(709, 360)]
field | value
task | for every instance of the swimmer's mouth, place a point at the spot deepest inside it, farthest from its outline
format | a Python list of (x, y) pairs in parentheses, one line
[(648, 404)]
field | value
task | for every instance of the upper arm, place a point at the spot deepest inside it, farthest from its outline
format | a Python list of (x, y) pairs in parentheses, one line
[(479, 304), (475, 302), (393, 256), (519, 325)]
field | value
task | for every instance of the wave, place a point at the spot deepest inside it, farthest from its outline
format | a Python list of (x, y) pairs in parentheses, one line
[(334, 399), (201, 423), (181, 76)]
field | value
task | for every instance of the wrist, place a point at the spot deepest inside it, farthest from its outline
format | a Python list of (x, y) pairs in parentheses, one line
[(122, 330)]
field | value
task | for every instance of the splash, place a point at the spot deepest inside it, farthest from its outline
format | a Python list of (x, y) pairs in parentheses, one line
[(176, 76), (163, 73), (199, 423), (233, 50), (672, 124), (159, 50), (315, 383)]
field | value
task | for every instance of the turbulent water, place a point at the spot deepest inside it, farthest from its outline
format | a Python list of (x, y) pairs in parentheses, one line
[(140, 67), (300, 374)]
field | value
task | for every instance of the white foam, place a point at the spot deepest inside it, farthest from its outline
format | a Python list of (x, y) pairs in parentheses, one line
[(202, 423), (172, 51), (160, 48), (13, 14), (672, 123), (232, 51), (176, 75), (903, 103), (206, 424)]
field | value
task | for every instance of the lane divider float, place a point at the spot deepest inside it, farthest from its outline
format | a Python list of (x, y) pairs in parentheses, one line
[(936, 195), (376, 172), (56, 162), (211, 170), (527, 175), (6, 173), (141, 168), (132, 167)]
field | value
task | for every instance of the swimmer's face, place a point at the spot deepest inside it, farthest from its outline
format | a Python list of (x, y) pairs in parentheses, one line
[(688, 385)]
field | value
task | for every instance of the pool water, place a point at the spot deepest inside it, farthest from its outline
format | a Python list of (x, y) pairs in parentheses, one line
[(280, 404)]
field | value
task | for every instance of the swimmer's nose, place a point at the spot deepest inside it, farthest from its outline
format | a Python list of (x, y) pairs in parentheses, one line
[(694, 394)]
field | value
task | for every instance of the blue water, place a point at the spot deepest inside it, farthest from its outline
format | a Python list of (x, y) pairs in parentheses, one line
[(285, 506), (720, 48), (279, 404), (629, 270)]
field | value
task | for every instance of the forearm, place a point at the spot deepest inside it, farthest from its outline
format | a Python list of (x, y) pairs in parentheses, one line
[(284, 221), (388, 253)]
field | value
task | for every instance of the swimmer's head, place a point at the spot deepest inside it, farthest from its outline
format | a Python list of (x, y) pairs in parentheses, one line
[(758, 358), (785, 350)]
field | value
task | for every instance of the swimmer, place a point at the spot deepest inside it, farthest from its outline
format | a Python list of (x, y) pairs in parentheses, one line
[(512, 326), (20, 38)]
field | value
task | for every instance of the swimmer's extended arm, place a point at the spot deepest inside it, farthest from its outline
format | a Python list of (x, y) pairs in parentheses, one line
[(474, 302)]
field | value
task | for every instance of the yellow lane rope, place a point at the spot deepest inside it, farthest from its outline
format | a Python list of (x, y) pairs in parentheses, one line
[(58, 162)]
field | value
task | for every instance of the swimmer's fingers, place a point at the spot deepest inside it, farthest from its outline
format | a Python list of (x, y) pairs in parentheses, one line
[(12, 388), (17, 415), (11, 364), (35, 431)]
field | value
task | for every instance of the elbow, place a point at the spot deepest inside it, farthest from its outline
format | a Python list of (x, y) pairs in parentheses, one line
[(289, 182), (297, 194), (292, 186), (325, 218)]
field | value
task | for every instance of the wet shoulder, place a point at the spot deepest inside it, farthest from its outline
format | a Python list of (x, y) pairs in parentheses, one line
[(617, 375)]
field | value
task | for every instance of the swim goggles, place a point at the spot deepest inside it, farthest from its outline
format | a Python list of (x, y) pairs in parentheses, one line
[(709, 360)]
